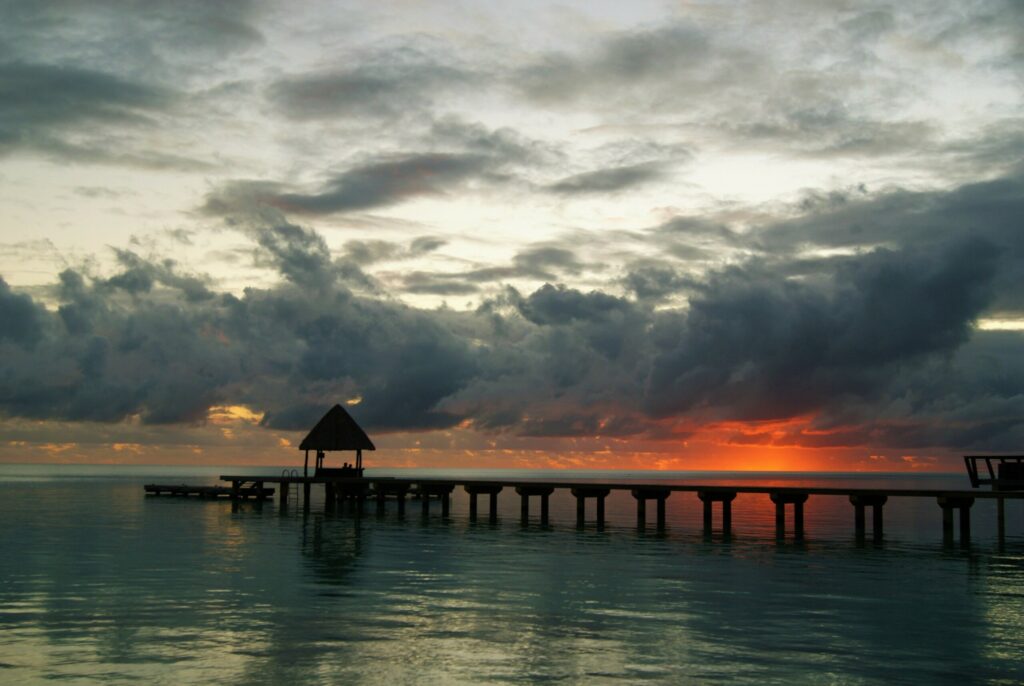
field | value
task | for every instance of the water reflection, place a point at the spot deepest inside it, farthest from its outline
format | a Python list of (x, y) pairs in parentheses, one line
[(98, 584)]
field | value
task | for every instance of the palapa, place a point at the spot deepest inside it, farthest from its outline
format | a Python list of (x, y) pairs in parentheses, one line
[(336, 431)]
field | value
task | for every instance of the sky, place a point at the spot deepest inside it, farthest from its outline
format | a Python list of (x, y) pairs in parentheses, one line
[(662, 235)]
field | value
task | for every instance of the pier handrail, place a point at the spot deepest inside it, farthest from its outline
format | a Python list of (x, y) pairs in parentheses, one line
[(995, 478)]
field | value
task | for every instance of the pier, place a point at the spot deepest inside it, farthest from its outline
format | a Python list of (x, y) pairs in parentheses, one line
[(786, 499), (337, 431)]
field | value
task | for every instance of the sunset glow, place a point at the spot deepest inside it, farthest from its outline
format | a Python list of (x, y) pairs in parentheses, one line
[(755, 236)]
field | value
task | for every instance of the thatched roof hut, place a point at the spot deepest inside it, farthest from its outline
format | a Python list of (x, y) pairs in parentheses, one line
[(336, 431)]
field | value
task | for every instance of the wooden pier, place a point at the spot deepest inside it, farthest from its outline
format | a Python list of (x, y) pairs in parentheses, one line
[(784, 498)]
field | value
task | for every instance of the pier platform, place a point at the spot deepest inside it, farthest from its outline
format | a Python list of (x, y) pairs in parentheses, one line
[(783, 498)]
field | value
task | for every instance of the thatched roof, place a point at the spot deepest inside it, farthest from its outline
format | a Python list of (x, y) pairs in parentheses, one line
[(336, 431)]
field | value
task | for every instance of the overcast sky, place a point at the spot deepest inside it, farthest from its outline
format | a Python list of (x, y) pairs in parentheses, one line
[(607, 234)]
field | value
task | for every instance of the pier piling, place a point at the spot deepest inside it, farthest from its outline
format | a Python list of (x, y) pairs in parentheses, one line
[(950, 503), (491, 490), (357, 489), (525, 492), (876, 501), (443, 491), (797, 500), (711, 497), (599, 493), (642, 495)]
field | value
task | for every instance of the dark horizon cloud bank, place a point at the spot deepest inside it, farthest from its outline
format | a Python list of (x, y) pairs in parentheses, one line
[(876, 347), (766, 224)]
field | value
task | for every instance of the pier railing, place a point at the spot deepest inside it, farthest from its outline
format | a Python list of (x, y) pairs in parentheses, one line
[(1003, 472)]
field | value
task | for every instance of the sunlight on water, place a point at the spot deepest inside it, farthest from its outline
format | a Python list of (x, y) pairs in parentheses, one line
[(101, 584)]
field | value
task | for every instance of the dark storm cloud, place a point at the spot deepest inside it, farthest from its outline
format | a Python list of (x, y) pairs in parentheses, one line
[(759, 346), (989, 210), (876, 347), (20, 318), (653, 280), (609, 180)]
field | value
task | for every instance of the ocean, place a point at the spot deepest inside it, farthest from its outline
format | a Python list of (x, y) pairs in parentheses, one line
[(100, 584)]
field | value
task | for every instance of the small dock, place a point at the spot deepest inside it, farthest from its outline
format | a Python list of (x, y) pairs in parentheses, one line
[(788, 501), (186, 490)]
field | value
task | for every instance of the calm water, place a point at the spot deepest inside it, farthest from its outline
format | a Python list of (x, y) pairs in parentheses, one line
[(100, 584)]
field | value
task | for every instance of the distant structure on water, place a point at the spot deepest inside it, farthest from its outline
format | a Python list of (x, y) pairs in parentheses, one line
[(336, 431)]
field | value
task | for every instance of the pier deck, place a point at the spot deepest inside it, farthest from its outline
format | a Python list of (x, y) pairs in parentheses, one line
[(783, 497)]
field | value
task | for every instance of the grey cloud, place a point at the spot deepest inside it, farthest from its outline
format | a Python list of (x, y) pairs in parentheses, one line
[(20, 318), (154, 41), (378, 183), (652, 280), (80, 115), (396, 78), (987, 210), (40, 100), (623, 62), (469, 154), (539, 262), (609, 180), (759, 346), (538, 259), (436, 284), (370, 252), (874, 348), (394, 85)]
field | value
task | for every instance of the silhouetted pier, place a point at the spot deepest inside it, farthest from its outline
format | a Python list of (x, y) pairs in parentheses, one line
[(785, 499), (338, 431)]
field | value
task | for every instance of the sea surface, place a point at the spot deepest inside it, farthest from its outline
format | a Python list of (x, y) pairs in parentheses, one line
[(101, 584)]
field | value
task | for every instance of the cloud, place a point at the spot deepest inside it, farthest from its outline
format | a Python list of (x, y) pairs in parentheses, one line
[(188, 33), (378, 183), (609, 180), (389, 84), (756, 345), (20, 319), (871, 346), (621, 64)]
